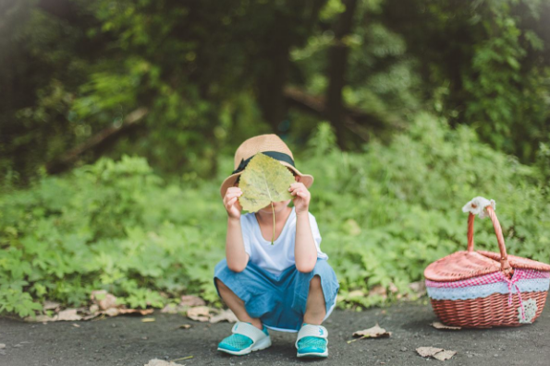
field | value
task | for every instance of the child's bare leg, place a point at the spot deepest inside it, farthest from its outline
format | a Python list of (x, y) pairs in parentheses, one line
[(315, 306), (236, 305)]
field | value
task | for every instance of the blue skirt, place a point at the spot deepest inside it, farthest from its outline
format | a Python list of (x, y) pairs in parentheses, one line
[(279, 301)]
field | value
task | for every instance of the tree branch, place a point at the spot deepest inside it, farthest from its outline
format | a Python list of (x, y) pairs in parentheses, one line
[(107, 135)]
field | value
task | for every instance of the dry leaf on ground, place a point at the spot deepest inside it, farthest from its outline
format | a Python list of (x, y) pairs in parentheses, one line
[(133, 311), (185, 326), (355, 293), (418, 287), (226, 315), (445, 355), (199, 313), (51, 305), (378, 291), (191, 300), (439, 325), (65, 315), (157, 362), (170, 309), (428, 351), (148, 320), (68, 314), (104, 299), (437, 353), (373, 332), (111, 312)]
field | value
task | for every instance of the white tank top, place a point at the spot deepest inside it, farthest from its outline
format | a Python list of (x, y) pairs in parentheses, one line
[(279, 256)]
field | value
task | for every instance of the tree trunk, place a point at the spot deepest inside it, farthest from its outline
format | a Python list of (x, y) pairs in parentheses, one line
[(272, 80), (338, 62)]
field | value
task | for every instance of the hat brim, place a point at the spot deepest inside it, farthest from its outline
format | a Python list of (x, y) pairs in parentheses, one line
[(307, 179)]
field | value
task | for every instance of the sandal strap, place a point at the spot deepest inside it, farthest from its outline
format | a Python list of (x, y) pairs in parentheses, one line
[(248, 330), (310, 330)]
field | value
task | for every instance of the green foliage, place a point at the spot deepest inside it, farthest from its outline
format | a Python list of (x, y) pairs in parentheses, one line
[(384, 214), (490, 68), (388, 212)]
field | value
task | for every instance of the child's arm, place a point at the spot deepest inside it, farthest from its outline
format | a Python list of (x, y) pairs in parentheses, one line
[(305, 251), (237, 258)]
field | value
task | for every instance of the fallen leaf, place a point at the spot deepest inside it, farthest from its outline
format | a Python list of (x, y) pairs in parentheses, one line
[(157, 362), (133, 311), (439, 325), (191, 300), (356, 293), (428, 351), (51, 305), (170, 309), (67, 315), (199, 313), (445, 355), (40, 318), (378, 291), (226, 315), (76, 325), (437, 353), (185, 326), (91, 316), (2, 345), (94, 308), (111, 312), (374, 332), (148, 320), (104, 299), (418, 287)]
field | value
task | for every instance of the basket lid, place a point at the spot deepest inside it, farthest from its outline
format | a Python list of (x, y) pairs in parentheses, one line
[(464, 264), (460, 266), (518, 262)]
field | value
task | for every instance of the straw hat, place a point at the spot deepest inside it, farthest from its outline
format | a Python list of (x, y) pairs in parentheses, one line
[(272, 146)]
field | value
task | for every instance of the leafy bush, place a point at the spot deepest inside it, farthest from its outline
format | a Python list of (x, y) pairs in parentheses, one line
[(384, 214)]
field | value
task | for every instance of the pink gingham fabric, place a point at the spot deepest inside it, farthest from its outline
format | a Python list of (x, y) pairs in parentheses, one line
[(495, 277)]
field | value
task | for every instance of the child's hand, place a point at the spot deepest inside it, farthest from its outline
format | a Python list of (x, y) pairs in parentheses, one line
[(231, 202), (302, 197)]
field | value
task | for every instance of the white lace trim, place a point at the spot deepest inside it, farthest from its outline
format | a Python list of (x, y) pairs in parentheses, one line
[(530, 307), (474, 292)]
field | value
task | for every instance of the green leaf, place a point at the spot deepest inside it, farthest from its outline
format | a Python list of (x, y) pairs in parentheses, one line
[(263, 182)]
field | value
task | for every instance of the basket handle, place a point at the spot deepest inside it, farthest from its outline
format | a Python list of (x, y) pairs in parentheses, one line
[(504, 263)]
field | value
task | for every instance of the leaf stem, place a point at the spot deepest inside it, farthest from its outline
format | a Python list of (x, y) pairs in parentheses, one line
[(273, 210)]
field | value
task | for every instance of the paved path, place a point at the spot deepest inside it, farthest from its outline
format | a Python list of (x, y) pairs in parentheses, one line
[(127, 341)]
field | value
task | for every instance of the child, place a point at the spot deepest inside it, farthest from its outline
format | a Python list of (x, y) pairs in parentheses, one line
[(287, 286)]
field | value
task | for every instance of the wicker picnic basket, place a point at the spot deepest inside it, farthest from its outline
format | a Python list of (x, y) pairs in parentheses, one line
[(480, 289)]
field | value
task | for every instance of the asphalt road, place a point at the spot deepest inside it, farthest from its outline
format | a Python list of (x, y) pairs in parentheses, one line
[(127, 341)]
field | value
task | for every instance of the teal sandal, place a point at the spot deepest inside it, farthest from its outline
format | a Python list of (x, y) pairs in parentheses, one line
[(312, 341), (246, 338)]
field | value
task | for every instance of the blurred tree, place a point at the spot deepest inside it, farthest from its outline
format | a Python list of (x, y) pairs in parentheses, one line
[(485, 63), (210, 73)]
